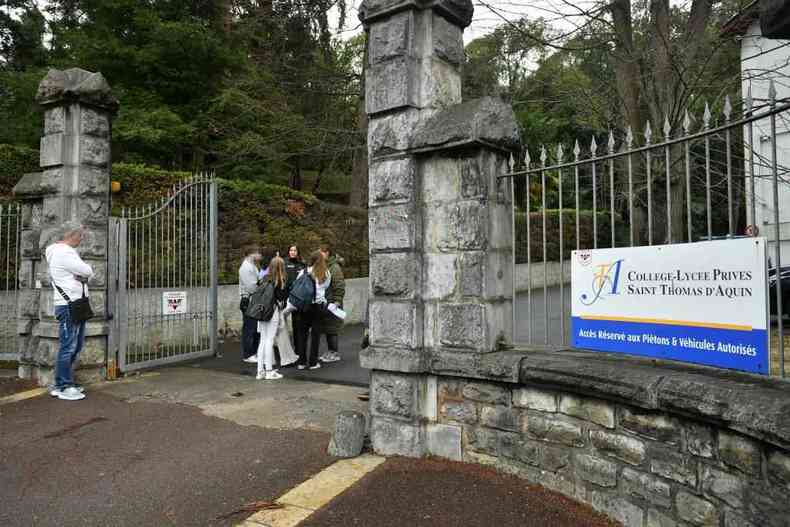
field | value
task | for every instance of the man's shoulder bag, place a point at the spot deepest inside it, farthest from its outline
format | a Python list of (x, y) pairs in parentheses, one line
[(79, 309)]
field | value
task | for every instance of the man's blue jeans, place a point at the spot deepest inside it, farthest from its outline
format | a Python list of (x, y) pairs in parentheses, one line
[(72, 340)]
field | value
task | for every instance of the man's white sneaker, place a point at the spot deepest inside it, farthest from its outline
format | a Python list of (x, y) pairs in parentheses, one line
[(253, 359), (300, 366), (53, 391), (273, 375), (316, 367), (70, 394), (332, 357)]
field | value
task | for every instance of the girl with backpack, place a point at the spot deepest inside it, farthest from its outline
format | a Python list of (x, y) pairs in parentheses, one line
[(268, 329), (309, 310)]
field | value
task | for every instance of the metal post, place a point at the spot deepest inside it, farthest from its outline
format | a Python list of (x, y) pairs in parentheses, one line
[(706, 126), (562, 256), (593, 148), (512, 183), (686, 125), (728, 141), (545, 251), (629, 139), (750, 136), (213, 268), (667, 160), (611, 187), (123, 299), (777, 233), (648, 168)]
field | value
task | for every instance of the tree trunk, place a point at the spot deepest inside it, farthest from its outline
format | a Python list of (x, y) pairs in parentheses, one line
[(359, 174), (296, 175)]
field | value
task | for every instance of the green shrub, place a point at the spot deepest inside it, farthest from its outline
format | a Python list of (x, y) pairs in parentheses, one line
[(568, 230), (15, 161)]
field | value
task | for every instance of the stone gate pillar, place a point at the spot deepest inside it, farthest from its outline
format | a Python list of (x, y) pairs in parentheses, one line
[(440, 221), (73, 185)]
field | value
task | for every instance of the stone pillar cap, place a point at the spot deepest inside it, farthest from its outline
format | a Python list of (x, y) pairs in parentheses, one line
[(76, 85), (488, 121), (458, 12)]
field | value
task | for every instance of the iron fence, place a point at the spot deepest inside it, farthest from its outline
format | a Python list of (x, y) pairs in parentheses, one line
[(700, 180), (10, 215)]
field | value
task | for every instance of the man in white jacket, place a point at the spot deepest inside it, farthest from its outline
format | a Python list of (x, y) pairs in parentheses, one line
[(68, 272), (248, 282)]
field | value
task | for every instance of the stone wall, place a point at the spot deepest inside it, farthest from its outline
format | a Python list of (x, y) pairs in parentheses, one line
[(722, 461)]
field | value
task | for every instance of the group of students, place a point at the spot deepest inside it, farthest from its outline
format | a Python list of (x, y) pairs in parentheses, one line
[(313, 311)]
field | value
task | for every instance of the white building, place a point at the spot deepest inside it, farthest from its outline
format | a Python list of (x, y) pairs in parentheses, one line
[(762, 60)]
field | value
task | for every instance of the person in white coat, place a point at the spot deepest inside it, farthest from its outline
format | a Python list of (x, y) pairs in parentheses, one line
[(68, 274), (274, 329)]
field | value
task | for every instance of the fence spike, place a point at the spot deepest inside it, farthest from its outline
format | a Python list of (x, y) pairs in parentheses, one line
[(772, 92), (511, 162), (629, 138), (686, 123), (543, 154), (527, 159), (610, 143), (648, 132), (706, 116), (749, 102), (727, 108), (667, 128), (560, 153), (593, 146), (576, 150)]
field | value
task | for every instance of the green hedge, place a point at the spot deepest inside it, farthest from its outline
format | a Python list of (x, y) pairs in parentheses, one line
[(569, 233), (14, 162), (270, 216)]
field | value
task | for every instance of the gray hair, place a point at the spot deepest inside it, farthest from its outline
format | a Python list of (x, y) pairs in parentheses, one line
[(69, 228)]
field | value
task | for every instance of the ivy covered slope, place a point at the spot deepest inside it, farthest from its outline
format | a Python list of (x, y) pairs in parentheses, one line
[(270, 216)]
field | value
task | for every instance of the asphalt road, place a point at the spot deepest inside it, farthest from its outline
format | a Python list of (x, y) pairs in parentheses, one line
[(103, 461)]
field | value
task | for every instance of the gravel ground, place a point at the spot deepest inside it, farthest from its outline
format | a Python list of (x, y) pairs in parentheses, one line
[(437, 493)]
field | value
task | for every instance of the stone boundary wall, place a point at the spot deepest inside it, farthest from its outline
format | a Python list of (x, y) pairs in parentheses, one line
[(657, 446)]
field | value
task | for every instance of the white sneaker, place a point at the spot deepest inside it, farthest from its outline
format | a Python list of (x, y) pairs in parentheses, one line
[(260, 377), (53, 391), (316, 367), (300, 366), (332, 357), (70, 394), (253, 359), (326, 357), (273, 375)]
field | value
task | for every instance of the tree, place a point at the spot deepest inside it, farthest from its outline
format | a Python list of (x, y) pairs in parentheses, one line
[(650, 61)]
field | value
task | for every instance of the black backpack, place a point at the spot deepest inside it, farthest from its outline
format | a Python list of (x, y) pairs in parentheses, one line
[(262, 302)]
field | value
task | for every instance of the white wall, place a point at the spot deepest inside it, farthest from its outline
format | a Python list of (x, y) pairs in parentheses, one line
[(762, 60)]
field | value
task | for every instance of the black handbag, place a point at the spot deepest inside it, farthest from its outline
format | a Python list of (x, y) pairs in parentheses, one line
[(80, 309)]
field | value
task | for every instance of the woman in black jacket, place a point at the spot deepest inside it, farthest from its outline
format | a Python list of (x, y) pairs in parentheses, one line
[(293, 266)]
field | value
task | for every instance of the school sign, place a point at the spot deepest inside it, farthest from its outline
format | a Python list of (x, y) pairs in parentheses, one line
[(697, 302)]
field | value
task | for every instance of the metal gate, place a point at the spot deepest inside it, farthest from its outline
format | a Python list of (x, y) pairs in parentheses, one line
[(164, 271), (10, 215)]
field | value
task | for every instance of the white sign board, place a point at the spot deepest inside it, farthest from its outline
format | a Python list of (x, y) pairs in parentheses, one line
[(174, 302), (696, 302)]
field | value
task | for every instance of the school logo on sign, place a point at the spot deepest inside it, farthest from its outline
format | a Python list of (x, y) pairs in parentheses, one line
[(606, 280)]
